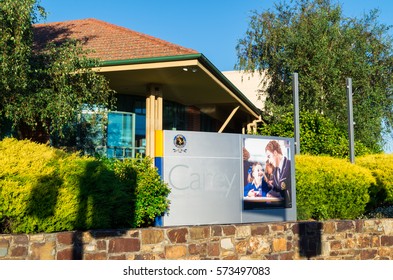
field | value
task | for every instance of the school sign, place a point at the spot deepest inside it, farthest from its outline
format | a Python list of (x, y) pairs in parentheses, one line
[(214, 177)]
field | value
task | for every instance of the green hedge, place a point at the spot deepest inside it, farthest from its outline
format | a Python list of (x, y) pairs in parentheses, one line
[(331, 188), (43, 189), (381, 166)]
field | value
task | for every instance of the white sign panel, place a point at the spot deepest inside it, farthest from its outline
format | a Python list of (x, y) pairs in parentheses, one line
[(211, 178)]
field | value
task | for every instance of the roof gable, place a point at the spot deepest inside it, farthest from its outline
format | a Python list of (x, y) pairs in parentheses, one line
[(109, 42)]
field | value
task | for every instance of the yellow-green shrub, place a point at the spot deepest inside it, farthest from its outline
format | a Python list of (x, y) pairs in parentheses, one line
[(150, 193), (381, 166), (331, 188), (23, 167), (43, 189)]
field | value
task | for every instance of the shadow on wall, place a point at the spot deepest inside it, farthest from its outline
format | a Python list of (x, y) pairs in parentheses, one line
[(310, 239)]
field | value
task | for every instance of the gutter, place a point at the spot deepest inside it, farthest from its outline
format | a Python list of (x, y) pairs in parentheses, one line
[(149, 60)]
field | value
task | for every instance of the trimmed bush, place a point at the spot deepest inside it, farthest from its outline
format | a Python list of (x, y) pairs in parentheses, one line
[(43, 189), (150, 193), (23, 167), (381, 166), (331, 188)]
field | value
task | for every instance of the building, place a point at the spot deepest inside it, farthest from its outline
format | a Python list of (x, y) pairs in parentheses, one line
[(159, 85), (251, 84)]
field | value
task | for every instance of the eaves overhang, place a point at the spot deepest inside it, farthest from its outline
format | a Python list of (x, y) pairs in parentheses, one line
[(194, 60)]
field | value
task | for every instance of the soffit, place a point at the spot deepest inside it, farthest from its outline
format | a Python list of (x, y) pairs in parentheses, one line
[(186, 82)]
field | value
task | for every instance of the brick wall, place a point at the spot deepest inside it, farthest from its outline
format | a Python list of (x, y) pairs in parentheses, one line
[(358, 239)]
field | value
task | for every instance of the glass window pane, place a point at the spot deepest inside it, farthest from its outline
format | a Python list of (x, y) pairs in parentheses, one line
[(120, 130)]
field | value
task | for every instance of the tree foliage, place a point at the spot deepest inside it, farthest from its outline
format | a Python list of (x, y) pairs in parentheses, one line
[(15, 46), (315, 39), (318, 135), (43, 89)]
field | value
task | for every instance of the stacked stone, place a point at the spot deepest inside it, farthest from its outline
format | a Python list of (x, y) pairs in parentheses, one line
[(358, 239)]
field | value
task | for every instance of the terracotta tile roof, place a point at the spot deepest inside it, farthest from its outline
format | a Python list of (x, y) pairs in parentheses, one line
[(110, 42)]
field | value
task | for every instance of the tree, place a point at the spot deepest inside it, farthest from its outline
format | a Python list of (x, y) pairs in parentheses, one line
[(315, 39), (318, 135), (43, 90), (15, 46)]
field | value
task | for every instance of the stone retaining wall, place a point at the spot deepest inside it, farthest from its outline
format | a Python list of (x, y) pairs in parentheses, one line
[(358, 239)]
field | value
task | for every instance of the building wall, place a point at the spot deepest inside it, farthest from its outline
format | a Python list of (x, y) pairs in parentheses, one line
[(357, 240), (250, 84)]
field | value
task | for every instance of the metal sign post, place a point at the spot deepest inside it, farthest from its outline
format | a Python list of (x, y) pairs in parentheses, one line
[(350, 121), (295, 86)]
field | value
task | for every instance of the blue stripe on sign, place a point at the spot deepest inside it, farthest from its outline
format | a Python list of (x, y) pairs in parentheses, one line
[(158, 163)]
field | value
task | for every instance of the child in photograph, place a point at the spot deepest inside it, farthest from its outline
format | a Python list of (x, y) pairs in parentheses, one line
[(257, 186), (269, 178)]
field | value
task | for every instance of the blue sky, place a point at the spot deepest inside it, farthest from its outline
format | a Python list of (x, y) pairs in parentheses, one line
[(212, 27)]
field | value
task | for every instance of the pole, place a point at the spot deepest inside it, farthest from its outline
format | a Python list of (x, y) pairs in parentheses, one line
[(295, 87), (350, 121)]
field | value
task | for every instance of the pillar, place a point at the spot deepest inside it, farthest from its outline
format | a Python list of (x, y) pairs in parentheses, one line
[(154, 112)]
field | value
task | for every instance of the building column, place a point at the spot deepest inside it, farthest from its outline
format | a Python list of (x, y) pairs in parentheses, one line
[(154, 118)]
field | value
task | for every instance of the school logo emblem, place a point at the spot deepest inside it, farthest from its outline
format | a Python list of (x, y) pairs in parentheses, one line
[(180, 142)]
